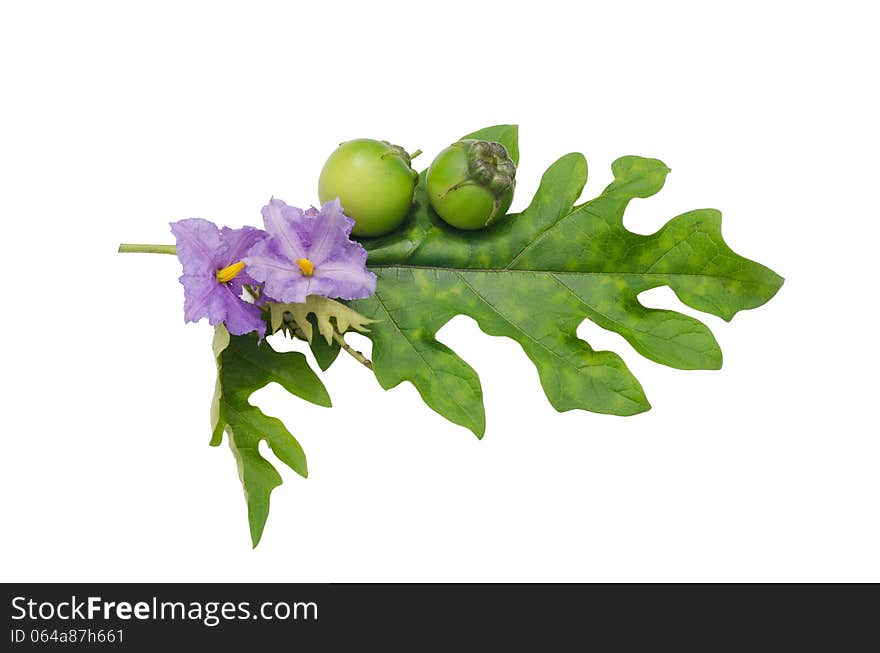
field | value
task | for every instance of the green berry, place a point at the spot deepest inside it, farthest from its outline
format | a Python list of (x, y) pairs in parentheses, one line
[(373, 180)]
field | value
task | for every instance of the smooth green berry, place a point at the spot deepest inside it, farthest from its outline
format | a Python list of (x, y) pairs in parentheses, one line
[(374, 182), (470, 184)]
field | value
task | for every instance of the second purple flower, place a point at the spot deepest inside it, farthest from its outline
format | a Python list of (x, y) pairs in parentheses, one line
[(309, 253)]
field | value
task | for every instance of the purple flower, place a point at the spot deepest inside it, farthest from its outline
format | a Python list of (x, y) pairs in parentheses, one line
[(309, 253), (214, 274)]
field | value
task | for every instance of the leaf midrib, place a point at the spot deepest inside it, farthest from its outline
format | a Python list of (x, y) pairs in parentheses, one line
[(457, 270), (402, 334)]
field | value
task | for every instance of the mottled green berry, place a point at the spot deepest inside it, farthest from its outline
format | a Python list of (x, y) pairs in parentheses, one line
[(470, 184)]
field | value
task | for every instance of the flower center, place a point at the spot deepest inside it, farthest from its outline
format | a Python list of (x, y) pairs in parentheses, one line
[(229, 273), (307, 267)]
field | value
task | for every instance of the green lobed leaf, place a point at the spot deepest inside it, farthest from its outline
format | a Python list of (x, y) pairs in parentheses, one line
[(535, 276), (245, 365)]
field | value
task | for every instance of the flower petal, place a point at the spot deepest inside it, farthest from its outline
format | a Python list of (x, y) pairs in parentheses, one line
[(284, 223), (343, 279), (198, 245), (200, 298), (241, 317), (328, 231), (237, 242), (204, 297)]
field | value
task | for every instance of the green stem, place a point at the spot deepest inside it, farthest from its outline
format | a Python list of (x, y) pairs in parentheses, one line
[(414, 154), (299, 333), (354, 353), (136, 248), (252, 292)]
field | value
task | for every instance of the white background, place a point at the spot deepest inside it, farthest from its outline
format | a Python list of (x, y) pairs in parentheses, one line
[(117, 119)]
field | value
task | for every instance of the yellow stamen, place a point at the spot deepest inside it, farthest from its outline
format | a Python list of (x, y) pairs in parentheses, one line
[(307, 267), (229, 273)]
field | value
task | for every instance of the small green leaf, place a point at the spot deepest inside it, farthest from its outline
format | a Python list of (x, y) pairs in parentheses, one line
[(244, 365), (326, 311), (325, 353), (536, 275)]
